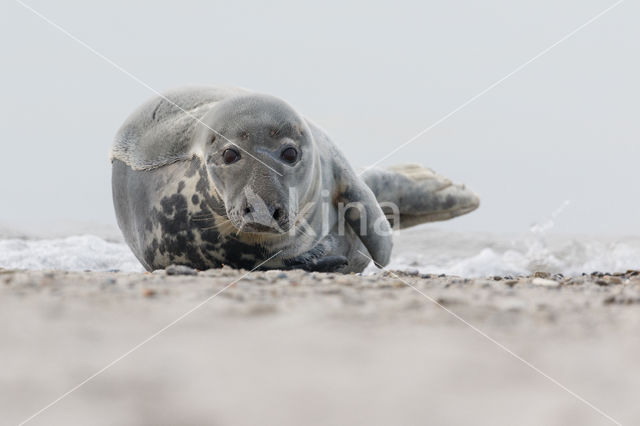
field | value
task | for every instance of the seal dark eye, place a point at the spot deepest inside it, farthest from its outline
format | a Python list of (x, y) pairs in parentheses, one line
[(230, 156), (289, 155)]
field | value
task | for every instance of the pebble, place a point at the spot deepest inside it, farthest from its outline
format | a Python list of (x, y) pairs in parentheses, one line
[(449, 301), (541, 274), (147, 292), (621, 299), (262, 309), (210, 273), (180, 270), (344, 281), (608, 280), (330, 290), (510, 304), (352, 298), (544, 282)]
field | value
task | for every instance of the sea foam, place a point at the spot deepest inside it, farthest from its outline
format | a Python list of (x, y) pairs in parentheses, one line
[(425, 249), (76, 253)]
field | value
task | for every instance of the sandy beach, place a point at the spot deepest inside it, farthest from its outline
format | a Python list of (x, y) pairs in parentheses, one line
[(500, 139), (295, 348)]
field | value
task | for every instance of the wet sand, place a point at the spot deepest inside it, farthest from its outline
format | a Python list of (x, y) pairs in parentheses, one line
[(297, 348)]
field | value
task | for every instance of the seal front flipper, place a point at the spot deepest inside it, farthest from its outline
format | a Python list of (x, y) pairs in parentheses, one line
[(318, 258), (357, 205), (419, 195), (323, 264)]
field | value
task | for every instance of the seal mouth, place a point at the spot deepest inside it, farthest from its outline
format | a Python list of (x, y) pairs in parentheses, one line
[(259, 228)]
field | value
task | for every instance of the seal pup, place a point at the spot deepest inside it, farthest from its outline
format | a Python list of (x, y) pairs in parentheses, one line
[(209, 176)]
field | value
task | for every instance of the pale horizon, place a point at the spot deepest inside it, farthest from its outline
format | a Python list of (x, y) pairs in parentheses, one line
[(562, 128)]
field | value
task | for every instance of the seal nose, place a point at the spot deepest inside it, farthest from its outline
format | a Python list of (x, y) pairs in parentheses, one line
[(265, 216), (280, 217), (277, 214)]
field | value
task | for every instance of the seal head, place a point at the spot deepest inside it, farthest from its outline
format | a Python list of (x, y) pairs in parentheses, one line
[(261, 157)]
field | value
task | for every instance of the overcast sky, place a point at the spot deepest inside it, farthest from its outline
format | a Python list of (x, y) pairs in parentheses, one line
[(565, 127)]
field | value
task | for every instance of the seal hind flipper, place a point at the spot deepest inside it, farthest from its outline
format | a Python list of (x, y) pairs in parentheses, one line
[(420, 194)]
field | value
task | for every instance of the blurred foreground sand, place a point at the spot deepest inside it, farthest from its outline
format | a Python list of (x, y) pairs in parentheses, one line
[(294, 348)]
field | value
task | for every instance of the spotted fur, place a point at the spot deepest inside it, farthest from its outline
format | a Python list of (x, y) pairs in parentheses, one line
[(177, 203)]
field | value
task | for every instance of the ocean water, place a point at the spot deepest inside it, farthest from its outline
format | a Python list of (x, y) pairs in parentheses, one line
[(427, 249), (484, 254)]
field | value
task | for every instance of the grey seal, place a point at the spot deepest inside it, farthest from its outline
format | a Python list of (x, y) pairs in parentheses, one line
[(210, 176)]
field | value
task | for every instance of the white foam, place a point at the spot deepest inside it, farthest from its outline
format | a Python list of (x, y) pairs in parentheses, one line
[(426, 249), (487, 255), (77, 253)]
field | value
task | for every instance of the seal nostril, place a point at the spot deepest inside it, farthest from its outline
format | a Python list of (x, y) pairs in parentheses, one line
[(277, 214)]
